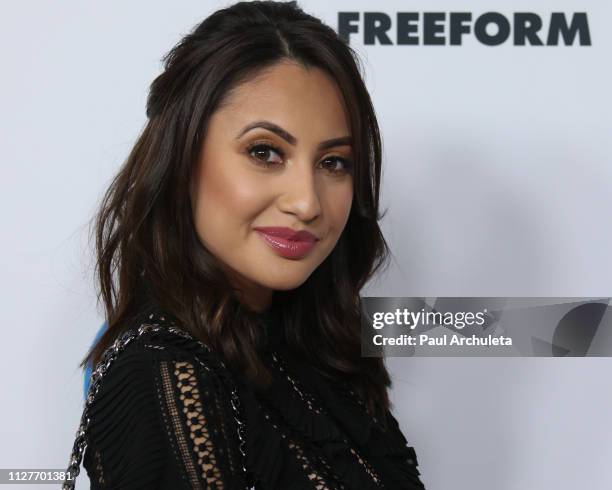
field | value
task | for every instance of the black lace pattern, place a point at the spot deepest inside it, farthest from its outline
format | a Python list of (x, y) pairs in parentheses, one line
[(164, 420)]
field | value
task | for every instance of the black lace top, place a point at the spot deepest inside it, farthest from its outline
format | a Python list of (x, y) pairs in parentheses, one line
[(163, 419)]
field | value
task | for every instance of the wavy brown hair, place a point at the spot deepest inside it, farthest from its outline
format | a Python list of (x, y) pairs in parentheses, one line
[(147, 250)]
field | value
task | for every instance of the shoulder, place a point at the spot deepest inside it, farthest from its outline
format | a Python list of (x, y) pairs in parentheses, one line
[(125, 439), (127, 379), (162, 398), (145, 351)]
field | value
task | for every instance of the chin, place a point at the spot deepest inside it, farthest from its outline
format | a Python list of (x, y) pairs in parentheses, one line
[(285, 279)]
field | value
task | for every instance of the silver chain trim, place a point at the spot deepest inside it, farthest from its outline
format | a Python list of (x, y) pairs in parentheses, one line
[(80, 443)]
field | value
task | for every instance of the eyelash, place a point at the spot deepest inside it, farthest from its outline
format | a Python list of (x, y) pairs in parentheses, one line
[(348, 164)]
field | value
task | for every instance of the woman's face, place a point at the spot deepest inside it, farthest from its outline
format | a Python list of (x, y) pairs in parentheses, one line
[(275, 160)]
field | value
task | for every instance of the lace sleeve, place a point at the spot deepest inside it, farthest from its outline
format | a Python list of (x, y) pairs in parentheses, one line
[(162, 420)]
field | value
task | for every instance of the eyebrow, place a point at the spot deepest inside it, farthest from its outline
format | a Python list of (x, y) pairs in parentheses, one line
[(292, 140)]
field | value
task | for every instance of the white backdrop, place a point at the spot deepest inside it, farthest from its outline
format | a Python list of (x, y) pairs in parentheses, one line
[(497, 179)]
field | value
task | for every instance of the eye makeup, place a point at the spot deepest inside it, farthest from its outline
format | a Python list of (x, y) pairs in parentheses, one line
[(266, 148)]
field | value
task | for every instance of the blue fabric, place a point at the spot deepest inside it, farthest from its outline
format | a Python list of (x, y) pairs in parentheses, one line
[(88, 367)]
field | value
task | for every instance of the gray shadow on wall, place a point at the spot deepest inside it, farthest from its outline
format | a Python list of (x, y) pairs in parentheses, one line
[(459, 224)]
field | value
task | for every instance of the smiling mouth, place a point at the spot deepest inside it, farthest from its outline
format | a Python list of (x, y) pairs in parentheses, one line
[(288, 243)]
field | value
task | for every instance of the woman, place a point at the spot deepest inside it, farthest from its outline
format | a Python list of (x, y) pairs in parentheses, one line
[(247, 216)]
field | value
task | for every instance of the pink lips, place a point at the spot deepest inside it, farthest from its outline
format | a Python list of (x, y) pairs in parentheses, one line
[(286, 242)]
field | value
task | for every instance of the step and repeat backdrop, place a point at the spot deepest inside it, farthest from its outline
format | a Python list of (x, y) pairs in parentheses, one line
[(497, 185)]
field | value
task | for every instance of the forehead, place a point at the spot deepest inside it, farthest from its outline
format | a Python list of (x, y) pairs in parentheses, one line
[(297, 98)]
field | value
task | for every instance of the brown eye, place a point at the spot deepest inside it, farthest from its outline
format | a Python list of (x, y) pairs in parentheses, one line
[(266, 154), (337, 165)]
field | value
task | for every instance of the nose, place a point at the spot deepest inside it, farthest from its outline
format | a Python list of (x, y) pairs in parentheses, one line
[(300, 193)]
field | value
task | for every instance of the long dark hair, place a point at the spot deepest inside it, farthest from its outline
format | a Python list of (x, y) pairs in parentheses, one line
[(146, 244)]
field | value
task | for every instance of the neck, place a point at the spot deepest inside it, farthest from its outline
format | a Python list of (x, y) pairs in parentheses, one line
[(254, 296)]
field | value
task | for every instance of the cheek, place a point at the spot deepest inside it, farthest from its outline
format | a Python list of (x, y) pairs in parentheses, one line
[(338, 202), (226, 200)]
